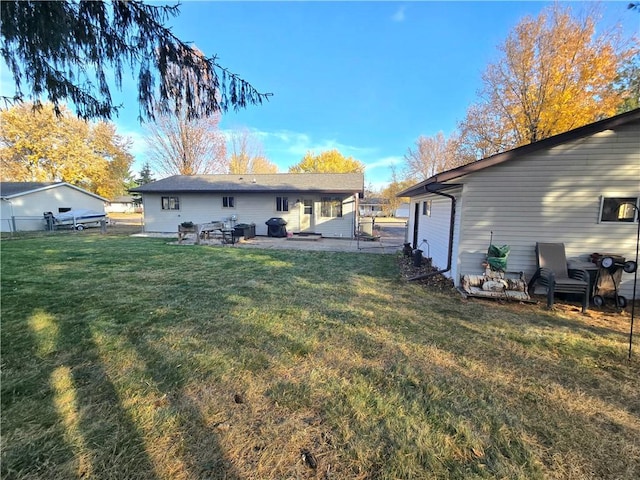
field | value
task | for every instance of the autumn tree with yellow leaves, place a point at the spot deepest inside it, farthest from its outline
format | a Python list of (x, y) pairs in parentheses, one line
[(36, 145), (554, 74), (390, 193), (330, 161), (246, 155)]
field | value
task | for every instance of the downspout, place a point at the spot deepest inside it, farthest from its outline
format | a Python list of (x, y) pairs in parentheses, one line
[(12, 223), (356, 215), (451, 225)]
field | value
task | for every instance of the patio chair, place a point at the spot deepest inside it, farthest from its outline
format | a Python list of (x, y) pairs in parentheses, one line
[(556, 277)]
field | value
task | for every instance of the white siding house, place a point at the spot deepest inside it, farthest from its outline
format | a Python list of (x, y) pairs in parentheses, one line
[(309, 202), (562, 189), (23, 204), (122, 204)]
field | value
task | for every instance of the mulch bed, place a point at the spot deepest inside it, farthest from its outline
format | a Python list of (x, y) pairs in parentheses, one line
[(437, 282)]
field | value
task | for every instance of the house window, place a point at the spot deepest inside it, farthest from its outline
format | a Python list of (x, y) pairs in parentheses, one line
[(228, 202), (170, 203), (331, 207), (426, 208), (307, 206), (282, 204), (618, 209)]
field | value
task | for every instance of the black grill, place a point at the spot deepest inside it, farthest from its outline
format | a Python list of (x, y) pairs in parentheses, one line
[(276, 227)]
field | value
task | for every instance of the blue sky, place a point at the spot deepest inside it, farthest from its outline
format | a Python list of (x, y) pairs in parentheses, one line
[(366, 78)]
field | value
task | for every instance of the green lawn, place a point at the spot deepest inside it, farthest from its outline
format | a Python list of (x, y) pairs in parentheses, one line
[(131, 358)]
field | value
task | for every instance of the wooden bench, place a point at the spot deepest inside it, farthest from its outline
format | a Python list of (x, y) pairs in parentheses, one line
[(205, 231)]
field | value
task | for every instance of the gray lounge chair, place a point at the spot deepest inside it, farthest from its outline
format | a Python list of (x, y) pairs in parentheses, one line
[(556, 277)]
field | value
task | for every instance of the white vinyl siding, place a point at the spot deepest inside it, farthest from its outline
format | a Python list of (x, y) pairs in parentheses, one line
[(435, 230), (249, 208), (553, 196), (29, 209)]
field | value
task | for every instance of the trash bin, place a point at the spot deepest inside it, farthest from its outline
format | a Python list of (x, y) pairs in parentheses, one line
[(366, 225), (417, 258), (245, 230), (276, 227)]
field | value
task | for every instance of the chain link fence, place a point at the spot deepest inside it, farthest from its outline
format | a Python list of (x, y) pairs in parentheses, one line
[(388, 234), (38, 225), (17, 224)]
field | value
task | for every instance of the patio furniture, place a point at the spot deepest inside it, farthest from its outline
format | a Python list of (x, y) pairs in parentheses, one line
[(554, 275)]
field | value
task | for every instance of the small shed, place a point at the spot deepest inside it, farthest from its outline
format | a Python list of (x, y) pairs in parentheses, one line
[(23, 204)]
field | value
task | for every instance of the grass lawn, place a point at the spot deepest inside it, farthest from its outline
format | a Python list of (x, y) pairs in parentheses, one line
[(129, 358)]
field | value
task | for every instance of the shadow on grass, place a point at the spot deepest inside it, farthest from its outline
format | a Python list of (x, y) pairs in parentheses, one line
[(203, 456), (82, 429), (472, 377), (29, 449), (116, 446)]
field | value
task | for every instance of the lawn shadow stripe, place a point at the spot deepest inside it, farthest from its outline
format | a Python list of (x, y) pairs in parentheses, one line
[(115, 442), (30, 448), (203, 457)]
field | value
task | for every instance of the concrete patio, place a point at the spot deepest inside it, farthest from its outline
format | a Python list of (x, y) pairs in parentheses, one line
[(390, 242)]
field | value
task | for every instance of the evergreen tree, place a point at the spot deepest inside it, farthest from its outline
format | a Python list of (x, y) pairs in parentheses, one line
[(145, 175), (64, 50)]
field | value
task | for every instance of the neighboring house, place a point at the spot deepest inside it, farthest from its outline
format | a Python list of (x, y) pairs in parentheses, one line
[(122, 204), (402, 211), (372, 207), (23, 204), (565, 188), (324, 203)]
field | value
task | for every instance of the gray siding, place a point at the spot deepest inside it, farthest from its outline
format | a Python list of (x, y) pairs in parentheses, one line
[(553, 196)]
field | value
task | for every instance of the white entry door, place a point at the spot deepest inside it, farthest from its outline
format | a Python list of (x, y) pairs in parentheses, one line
[(306, 215)]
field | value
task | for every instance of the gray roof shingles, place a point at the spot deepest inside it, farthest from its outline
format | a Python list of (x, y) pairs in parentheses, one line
[(278, 182), (9, 189)]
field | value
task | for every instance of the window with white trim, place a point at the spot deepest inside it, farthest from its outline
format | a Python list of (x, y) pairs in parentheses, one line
[(170, 203), (426, 208), (228, 202), (282, 204), (331, 207)]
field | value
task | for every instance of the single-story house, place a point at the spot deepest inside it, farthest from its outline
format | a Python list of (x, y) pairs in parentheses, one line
[(564, 189), (323, 203), (23, 204), (122, 204), (373, 207)]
